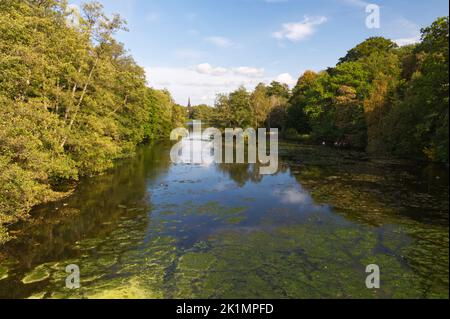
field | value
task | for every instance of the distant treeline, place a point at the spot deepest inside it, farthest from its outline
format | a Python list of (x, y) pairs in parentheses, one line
[(72, 101), (382, 98)]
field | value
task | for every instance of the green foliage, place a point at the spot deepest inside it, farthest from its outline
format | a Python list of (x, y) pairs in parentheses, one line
[(418, 124), (261, 105), (266, 106), (301, 95), (382, 98), (178, 116), (234, 109), (278, 89), (202, 112), (72, 100), (164, 114), (367, 48)]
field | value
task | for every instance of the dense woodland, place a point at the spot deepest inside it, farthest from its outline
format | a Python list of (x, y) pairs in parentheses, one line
[(73, 101), (382, 98)]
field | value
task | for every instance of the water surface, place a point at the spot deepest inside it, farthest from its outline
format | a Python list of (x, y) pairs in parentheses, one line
[(152, 229)]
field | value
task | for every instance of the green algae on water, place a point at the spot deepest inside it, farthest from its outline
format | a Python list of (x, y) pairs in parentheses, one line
[(38, 274), (192, 242), (4, 272)]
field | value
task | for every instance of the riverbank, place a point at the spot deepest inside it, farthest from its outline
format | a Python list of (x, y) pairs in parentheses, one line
[(150, 229), (299, 155), (73, 102), (54, 193)]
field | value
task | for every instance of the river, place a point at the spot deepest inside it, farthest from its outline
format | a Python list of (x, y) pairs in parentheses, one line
[(152, 229)]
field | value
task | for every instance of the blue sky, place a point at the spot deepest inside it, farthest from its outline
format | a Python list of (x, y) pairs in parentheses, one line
[(198, 48)]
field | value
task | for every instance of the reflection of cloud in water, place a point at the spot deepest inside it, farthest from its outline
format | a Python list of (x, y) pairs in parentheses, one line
[(194, 150), (223, 186), (293, 196), (300, 199)]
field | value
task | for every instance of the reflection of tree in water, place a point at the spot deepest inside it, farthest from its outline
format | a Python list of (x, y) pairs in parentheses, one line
[(96, 209), (243, 173), (377, 195), (107, 230)]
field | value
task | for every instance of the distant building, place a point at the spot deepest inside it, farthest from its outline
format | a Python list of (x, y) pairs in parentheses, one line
[(189, 108)]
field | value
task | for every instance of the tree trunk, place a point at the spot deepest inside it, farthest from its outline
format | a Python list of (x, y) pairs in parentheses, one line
[(72, 121)]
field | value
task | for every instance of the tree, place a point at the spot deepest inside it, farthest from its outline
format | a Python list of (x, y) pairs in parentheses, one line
[(73, 101), (367, 48), (419, 123), (234, 109), (178, 116), (261, 106), (301, 96), (349, 119), (389, 100), (279, 95), (278, 89), (203, 112)]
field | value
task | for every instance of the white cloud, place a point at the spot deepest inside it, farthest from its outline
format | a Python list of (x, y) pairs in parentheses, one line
[(405, 32), (298, 31), (407, 41), (206, 68), (199, 85), (287, 79), (293, 196), (249, 71), (203, 82), (220, 41)]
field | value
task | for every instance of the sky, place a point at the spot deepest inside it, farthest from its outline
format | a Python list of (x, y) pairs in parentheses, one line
[(199, 48)]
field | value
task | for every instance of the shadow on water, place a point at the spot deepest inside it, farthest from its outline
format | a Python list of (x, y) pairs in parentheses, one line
[(151, 229)]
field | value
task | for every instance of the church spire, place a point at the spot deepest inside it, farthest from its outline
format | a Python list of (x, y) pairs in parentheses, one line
[(189, 108)]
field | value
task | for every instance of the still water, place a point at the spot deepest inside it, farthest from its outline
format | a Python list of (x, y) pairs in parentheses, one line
[(152, 229)]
